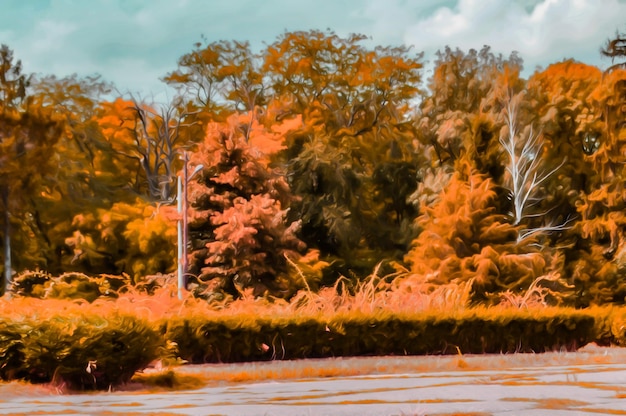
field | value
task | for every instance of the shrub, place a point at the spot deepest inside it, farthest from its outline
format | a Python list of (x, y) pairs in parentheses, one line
[(80, 351), (70, 285), (245, 337)]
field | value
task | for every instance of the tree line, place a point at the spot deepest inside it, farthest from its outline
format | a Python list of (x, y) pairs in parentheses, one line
[(325, 159)]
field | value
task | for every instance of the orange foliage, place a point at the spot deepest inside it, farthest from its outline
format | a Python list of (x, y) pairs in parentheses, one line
[(463, 240)]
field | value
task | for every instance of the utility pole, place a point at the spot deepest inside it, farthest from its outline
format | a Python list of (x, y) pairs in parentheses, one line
[(181, 267), (7, 242), (183, 227)]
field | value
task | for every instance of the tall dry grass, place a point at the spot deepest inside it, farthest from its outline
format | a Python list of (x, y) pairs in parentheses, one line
[(396, 294)]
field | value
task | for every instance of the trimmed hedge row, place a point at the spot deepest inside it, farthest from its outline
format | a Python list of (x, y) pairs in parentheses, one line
[(82, 352), (91, 351), (248, 338)]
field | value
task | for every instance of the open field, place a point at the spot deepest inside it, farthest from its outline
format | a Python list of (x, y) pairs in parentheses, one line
[(588, 382)]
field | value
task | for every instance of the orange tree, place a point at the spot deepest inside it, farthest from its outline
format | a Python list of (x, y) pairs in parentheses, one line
[(79, 179), (219, 78), (463, 239), (89, 213), (461, 113), (600, 262), (352, 163), (241, 237)]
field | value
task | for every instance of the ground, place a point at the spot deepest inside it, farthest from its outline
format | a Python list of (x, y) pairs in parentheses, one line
[(590, 381)]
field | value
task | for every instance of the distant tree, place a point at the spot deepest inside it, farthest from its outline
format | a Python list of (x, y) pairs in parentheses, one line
[(152, 140), (598, 265), (615, 49), (460, 114), (81, 179), (353, 162), (135, 238), (28, 132), (220, 76)]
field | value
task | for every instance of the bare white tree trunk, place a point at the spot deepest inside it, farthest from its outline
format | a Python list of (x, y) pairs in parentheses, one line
[(526, 173)]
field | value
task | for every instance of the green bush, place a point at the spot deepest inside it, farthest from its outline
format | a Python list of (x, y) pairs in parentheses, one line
[(83, 352)]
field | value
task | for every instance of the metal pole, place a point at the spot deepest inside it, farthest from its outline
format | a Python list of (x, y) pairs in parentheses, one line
[(185, 219), (7, 243), (181, 273)]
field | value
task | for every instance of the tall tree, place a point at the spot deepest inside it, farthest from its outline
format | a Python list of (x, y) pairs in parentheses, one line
[(28, 131), (527, 173), (79, 180), (241, 235), (460, 115), (220, 76), (464, 239), (151, 140), (598, 264), (353, 163)]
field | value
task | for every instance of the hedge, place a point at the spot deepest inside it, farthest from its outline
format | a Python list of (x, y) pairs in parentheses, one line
[(244, 337), (91, 350)]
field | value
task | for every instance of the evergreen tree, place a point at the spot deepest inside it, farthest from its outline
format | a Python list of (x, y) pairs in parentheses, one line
[(241, 237)]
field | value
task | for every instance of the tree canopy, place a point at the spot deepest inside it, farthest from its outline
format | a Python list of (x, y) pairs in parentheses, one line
[(323, 159)]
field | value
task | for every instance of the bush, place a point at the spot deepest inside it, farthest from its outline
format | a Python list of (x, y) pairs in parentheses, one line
[(246, 337), (70, 285), (81, 351)]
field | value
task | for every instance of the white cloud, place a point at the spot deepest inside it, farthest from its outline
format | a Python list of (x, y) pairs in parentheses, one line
[(49, 36), (135, 42), (545, 32)]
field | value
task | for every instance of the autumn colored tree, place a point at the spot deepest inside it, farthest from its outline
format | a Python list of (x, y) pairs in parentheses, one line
[(81, 178), (28, 131), (464, 239), (137, 239), (570, 122), (151, 141), (462, 112), (241, 237), (527, 172), (353, 163), (599, 263), (220, 76)]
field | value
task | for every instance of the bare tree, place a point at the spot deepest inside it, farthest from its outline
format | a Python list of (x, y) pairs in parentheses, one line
[(158, 142), (526, 173), (615, 49)]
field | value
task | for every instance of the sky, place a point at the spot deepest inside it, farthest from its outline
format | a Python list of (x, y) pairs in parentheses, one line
[(134, 43)]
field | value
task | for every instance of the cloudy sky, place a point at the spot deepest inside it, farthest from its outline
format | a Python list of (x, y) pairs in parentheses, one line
[(135, 42)]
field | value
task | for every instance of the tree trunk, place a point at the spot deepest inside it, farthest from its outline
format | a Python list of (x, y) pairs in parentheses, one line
[(7, 243)]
